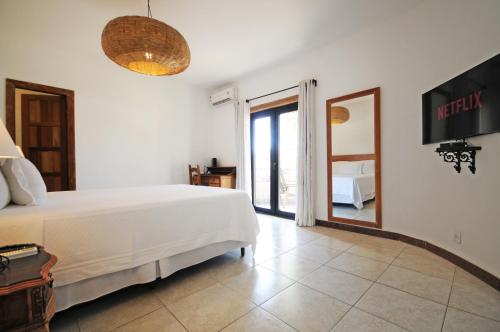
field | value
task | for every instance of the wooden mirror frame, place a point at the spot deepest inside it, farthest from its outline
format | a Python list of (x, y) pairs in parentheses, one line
[(378, 184)]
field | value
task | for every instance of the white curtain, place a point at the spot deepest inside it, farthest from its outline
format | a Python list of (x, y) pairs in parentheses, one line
[(243, 172), (305, 180)]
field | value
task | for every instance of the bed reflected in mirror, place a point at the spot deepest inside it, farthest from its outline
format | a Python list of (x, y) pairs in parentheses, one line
[(353, 124)]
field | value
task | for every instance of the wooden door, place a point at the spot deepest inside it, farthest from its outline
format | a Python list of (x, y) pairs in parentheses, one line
[(44, 138)]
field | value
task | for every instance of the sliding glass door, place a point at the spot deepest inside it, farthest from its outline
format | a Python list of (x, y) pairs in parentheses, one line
[(274, 160)]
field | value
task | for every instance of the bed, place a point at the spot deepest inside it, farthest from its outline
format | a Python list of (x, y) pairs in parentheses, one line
[(109, 239), (353, 182)]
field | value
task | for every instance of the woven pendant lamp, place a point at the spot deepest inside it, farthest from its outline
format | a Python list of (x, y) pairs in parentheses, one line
[(339, 115), (145, 45)]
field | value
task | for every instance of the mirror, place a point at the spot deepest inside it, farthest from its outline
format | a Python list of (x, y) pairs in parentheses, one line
[(353, 142)]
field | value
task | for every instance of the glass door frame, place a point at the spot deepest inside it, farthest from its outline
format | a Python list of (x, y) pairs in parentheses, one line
[(274, 114)]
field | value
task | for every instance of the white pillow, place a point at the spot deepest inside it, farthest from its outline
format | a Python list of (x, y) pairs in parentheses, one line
[(368, 167), (4, 192), (347, 167), (25, 182)]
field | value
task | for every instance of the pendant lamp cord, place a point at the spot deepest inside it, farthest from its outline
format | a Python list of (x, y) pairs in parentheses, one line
[(150, 15)]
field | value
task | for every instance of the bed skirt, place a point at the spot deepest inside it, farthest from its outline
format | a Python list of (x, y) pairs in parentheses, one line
[(90, 289)]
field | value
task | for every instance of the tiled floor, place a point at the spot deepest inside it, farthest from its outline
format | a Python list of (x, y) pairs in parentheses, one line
[(302, 279), (367, 213)]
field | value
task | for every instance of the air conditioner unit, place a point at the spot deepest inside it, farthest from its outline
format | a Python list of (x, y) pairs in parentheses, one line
[(224, 96)]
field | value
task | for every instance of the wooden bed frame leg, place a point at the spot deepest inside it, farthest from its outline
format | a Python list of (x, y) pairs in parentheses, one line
[(242, 252)]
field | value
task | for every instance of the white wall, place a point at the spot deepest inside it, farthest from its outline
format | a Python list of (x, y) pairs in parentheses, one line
[(356, 135), (422, 196), (222, 135), (131, 129)]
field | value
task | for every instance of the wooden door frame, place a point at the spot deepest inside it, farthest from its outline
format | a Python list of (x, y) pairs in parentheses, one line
[(69, 97), (377, 157), (274, 104)]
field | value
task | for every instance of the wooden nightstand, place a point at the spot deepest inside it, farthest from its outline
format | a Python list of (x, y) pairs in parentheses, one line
[(27, 301)]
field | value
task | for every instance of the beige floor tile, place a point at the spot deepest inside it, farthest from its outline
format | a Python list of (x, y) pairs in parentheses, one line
[(258, 320), (315, 253), (342, 235), (319, 230), (263, 252), (459, 321), (403, 309), (283, 242), (366, 215), (379, 253), (266, 239), (333, 243), (301, 235), (463, 277), (357, 320), (183, 283), (198, 298), (343, 286), (272, 225), (472, 295), (421, 260), (360, 238), (306, 309), (291, 266), (116, 309), (258, 284), (383, 242), (158, 321), (416, 283), (364, 267), (226, 266), (210, 309), (411, 250)]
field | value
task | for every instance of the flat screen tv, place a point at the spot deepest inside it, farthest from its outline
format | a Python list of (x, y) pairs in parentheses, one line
[(465, 106)]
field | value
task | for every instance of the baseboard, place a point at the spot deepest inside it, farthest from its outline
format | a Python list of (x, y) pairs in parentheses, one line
[(475, 270)]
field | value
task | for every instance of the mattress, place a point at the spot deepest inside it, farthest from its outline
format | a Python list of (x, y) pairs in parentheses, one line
[(97, 232), (353, 189)]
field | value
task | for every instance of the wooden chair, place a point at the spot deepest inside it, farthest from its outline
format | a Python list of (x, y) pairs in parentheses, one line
[(194, 175)]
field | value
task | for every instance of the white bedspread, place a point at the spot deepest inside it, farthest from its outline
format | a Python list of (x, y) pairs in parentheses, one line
[(95, 232), (353, 189)]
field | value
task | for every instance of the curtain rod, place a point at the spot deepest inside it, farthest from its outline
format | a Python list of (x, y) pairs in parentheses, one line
[(275, 92)]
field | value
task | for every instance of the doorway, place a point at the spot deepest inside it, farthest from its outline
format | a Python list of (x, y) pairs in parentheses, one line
[(40, 120), (274, 160)]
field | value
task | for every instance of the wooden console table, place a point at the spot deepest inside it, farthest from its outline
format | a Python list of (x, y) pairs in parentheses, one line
[(27, 300), (224, 177)]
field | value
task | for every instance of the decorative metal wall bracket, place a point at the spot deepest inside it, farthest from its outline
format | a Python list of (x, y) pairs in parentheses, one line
[(459, 152)]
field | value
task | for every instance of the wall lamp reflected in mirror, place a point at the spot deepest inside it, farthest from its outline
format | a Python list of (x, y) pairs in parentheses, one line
[(459, 152)]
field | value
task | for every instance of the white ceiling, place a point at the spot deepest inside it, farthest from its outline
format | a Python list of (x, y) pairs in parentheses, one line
[(231, 38)]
